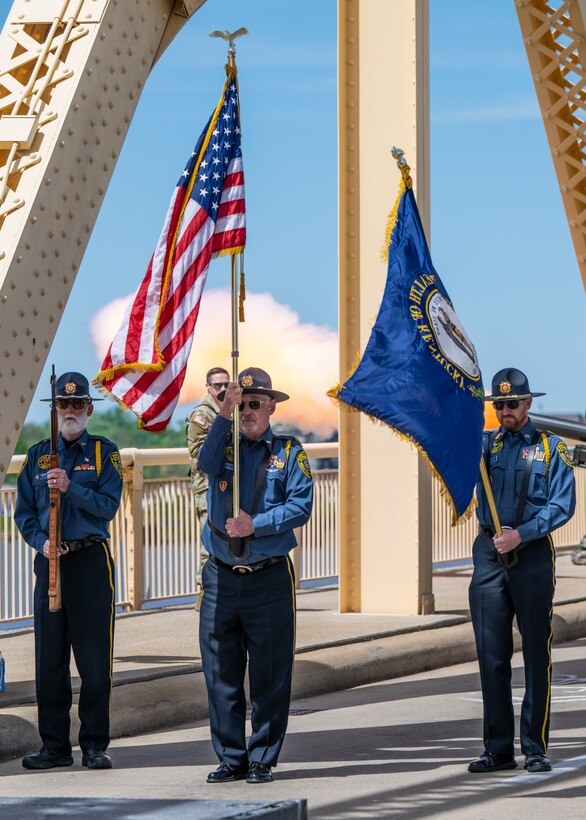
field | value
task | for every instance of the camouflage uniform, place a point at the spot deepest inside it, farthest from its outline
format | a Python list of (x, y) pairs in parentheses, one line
[(198, 426)]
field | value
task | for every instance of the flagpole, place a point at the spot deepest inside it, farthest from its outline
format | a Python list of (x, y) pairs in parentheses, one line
[(230, 37), (236, 416), (490, 498)]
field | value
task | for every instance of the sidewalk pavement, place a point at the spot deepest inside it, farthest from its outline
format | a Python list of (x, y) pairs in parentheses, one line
[(158, 680)]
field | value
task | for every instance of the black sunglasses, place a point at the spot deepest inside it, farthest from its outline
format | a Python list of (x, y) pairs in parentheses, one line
[(254, 404), (219, 385), (512, 404), (77, 404)]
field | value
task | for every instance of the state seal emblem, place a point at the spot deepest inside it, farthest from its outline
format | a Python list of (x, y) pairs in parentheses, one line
[(247, 381), (505, 388), (70, 388), (451, 338)]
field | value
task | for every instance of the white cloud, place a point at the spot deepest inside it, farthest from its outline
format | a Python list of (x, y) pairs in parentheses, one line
[(302, 359), (526, 109)]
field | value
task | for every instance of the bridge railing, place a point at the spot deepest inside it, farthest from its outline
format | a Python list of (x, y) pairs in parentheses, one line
[(155, 538)]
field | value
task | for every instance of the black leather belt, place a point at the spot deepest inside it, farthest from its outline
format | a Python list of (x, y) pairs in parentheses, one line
[(488, 530), (82, 543), (244, 568)]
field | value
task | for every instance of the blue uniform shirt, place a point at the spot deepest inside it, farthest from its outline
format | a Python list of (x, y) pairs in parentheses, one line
[(551, 497), (286, 496), (92, 498)]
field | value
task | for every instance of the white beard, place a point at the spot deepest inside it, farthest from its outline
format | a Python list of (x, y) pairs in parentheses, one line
[(72, 427)]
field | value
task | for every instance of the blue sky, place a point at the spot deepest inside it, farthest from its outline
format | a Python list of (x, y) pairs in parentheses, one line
[(499, 236)]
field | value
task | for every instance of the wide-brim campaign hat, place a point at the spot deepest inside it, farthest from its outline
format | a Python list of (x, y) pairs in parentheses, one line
[(255, 380), (73, 386), (510, 383)]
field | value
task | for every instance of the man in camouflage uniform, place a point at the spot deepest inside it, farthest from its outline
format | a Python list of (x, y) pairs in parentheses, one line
[(198, 425)]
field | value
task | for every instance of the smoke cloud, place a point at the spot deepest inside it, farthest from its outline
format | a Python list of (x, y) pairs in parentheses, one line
[(302, 359)]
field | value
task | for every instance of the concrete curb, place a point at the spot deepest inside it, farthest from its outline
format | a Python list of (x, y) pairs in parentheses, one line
[(176, 698)]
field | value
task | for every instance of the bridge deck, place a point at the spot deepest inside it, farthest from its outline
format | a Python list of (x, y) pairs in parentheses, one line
[(157, 668)]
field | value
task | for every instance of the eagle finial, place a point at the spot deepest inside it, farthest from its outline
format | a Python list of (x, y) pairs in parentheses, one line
[(230, 36)]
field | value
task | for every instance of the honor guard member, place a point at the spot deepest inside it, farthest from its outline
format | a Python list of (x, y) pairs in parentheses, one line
[(89, 478), (514, 575), (248, 603), (198, 426)]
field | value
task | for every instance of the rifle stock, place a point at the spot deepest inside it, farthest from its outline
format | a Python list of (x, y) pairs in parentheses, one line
[(54, 511)]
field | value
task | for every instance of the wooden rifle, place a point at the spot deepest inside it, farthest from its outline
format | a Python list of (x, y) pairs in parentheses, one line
[(54, 510)]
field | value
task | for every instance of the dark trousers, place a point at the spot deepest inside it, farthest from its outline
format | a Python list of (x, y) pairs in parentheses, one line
[(248, 616), (496, 596), (85, 623)]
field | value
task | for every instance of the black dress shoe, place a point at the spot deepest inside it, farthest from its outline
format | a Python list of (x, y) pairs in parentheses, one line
[(96, 759), (488, 762), (259, 773), (537, 763), (226, 774), (46, 760)]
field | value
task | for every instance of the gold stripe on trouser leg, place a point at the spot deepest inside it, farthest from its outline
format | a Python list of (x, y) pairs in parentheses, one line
[(294, 605), (111, 582), (548, 699)]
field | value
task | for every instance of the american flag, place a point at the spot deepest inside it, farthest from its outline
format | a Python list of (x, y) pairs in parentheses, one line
[(145, 366)]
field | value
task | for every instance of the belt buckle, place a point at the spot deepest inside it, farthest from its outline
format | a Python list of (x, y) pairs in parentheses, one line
[(242, 568)]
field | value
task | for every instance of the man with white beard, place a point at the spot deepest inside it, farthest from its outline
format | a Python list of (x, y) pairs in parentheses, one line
[(89, 478)]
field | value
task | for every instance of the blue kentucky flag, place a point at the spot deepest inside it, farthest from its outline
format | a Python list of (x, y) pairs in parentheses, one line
[(419, 373)]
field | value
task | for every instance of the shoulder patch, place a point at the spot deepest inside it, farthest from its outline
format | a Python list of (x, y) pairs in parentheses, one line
[(230, 454), (24, 463), (117, 462), (497, 445), (562, 449), (44, 462), (201, 421), (303, 462)]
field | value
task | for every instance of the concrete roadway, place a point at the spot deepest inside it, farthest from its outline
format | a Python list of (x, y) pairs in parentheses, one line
[(397, 748)]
